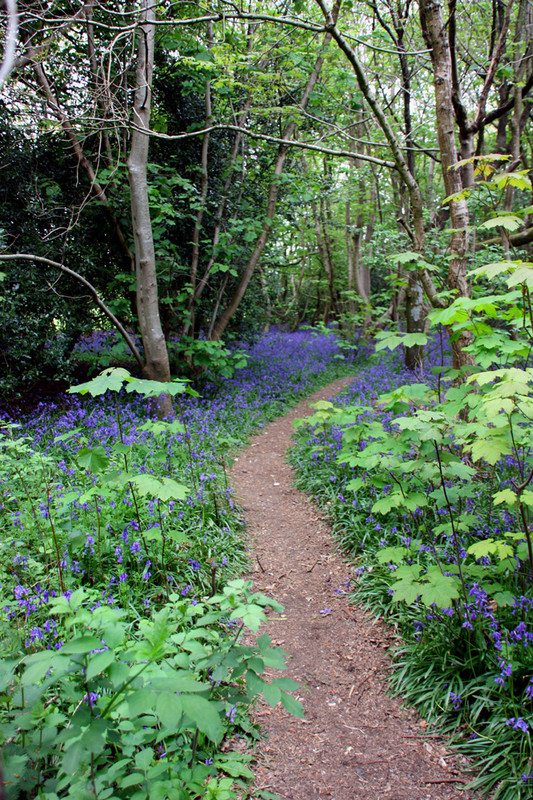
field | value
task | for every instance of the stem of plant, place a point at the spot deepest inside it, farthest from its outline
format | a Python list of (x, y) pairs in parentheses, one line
[(56, 543), (98, 534), (454, 531)]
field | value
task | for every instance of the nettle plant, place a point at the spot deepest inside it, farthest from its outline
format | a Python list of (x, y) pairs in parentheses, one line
[(124, 674)]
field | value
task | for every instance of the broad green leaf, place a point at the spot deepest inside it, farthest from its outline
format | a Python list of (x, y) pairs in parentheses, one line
[(456, 196), (491, 546), (263, 642), (39, 664), (94, 459), (232, 764), (527, 497), (162, 488), (144, 758), (272, 694), (490, 450), (275, 658), (99, 662), (155, 388), (292, 705), (442, 592), (415, 500), (503, 599), (73, 757), (505, 496), (141, 701), (385, 504), (405, 590), (111, 379), (391, 341), (204, 714), (518, 179), (169, 709), (287, 684), (394, 555), (81, 644), (508, 221)]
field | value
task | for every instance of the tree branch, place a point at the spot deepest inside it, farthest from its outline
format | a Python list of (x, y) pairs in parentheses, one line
[(275, 140), (76, 275)]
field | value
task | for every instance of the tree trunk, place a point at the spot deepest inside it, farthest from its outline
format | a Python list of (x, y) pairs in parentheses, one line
[(156, 355), (436, 36), (288, 133), (415, 313)]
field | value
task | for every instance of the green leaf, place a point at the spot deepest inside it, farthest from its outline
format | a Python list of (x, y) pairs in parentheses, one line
[(73, 758), (140, 702), (391, 341), (508, 221), (462, 195), (527, 497), (490, 450), (505, 496), (232, 765), (272, 694), (144, 758), (292, 705), (287, 684), (405, 590), (162, 488), (264, 642), (393, 555), (518, 179), (155, 388), (82, 644), (111, 379), (169, 709), (491, 546), (94, 459), (204, 715), (442, 592), (99, 663), (131, 780), (254, 683), (385, 504), (275, 658)]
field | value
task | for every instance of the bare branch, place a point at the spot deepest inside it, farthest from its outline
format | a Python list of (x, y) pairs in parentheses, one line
[(76, 275), (274, 139)]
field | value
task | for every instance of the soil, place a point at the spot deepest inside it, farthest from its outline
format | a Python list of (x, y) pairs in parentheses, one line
[(356, 742)]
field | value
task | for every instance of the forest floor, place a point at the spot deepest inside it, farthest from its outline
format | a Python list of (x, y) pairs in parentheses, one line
[(356, 742)]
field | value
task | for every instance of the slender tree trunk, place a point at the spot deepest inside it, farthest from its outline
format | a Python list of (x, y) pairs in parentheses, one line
[(415, 307), (204, 166), (155, 349), (434, 28), (83, 161), (202, 283), (288, 133)]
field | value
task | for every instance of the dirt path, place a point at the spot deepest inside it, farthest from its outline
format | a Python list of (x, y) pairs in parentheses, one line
[(355, 743)]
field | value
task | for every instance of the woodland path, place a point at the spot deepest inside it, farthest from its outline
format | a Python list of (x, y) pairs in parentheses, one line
[(356, 742)]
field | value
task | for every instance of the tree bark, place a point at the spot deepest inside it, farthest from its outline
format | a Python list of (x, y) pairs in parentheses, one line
[(157, 364), (435, 32)]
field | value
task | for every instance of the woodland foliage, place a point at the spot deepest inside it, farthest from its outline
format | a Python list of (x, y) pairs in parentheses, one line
[(175, 177)]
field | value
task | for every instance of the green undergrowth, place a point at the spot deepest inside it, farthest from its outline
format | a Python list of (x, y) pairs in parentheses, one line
[(429, 486), (124, 675)]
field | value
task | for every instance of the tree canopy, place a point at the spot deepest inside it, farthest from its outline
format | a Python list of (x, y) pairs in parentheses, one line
[(212, 171)]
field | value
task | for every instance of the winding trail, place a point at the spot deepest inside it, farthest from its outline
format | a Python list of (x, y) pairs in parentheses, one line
[(356, 742)]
